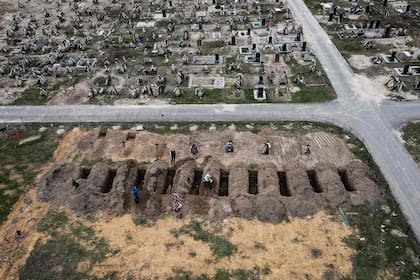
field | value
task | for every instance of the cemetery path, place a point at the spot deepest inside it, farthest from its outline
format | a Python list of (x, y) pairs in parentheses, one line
[(375, 122)]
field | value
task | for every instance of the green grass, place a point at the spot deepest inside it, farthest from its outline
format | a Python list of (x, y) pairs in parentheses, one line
[(313, 94), (380, 250), (219, 246), (24, 160), (59, 257), (52, 221), (222, 274), (411, 136)]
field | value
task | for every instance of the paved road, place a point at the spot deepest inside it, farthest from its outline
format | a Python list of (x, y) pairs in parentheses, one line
[(375, 123)]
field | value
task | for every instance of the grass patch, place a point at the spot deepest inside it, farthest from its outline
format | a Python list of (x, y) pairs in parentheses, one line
[(313, 94), (91, 162), (219, 246), (221, 274), (52, 221), (379, 250), (259, 246), (60, 256), (411, 136), (141, 222), (20, 163)]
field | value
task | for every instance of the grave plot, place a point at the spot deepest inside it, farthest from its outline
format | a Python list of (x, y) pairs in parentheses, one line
[(276, 208), (380, 40), (284, 181), (171, 52)]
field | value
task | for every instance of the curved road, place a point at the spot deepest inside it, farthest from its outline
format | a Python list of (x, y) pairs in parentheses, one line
[(375, 123)]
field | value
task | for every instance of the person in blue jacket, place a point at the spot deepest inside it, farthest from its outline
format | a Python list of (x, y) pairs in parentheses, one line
[(135, 193)]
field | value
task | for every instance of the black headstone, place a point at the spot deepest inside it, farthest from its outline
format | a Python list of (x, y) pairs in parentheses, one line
[(365, 24), (261, 80), (298, 37), (330, 18), (304, 46), (216, 58), (341, 17), (270, 40), (371, 24), (387, 32), (378, 23), (170, 3), (248, 32), (407, 9), (254, 46), (385, 3), (164, 13), (260, 93), (277, 57), (405, 70), (233, 40), (198, 42), (284, 47), (257, 57), (393, 54), (263, 22), (335, 10)]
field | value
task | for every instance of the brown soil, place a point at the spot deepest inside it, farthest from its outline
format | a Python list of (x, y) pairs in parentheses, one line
[(250, 197), (310, 183)]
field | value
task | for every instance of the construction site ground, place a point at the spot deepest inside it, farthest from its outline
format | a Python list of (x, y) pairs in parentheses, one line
[(285, 215)]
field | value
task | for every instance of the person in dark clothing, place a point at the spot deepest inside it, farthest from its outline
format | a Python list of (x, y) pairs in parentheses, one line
[(194, 149), (173, 156)]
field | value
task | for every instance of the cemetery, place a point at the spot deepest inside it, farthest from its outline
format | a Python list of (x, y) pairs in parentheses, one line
[(380, 39), (141, 52)]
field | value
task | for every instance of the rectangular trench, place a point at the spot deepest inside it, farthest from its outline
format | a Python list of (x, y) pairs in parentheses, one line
[(345, 180), (313, 180), (198, 175), (106, 188), (284, 188), (253, 181), (84, 172), (169, 180), (140, 178), (224, 183)]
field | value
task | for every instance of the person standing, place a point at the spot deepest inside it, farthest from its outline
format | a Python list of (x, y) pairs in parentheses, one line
[(173, 156), (194, 149), (135, 193)]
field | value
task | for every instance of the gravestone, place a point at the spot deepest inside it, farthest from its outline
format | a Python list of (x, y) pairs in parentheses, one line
[(261, 80), (393, 54), (405, 70), (277, 57), (257, 57), (378, 22), (233, 41), (270, 40), (260, 93), (216, 58), (304, 46), (263, 22)]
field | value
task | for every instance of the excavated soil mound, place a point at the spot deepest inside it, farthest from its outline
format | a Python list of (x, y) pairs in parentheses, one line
[(265, 193)]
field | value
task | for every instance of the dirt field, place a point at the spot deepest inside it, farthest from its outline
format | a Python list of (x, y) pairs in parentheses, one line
[(273, 216)]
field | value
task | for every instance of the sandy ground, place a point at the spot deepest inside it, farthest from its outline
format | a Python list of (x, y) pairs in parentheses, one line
[(288, 246), (360, 62)]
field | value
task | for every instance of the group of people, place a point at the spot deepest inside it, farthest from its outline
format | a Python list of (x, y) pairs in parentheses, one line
[(207, 179)]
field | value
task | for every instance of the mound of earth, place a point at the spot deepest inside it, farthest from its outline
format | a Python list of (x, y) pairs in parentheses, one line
[(235, 191)]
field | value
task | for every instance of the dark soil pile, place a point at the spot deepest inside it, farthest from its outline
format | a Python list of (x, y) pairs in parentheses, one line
[(235, 191)]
